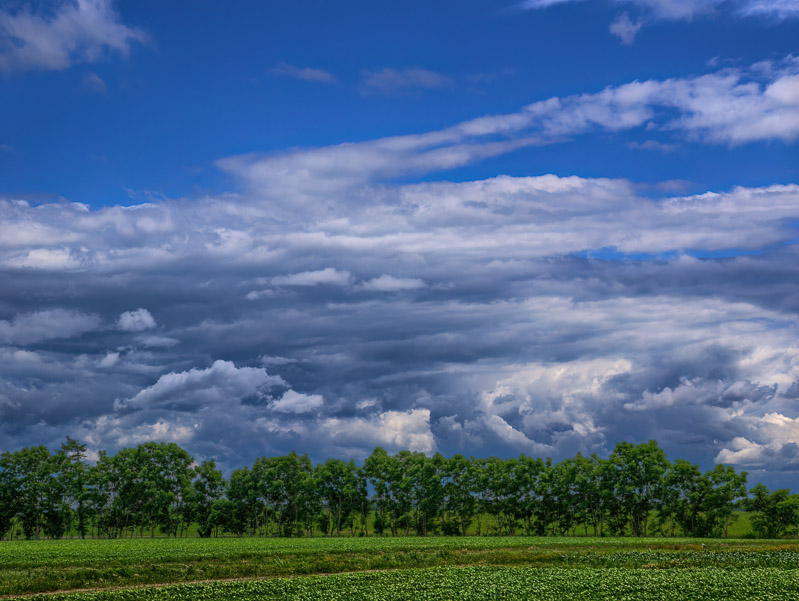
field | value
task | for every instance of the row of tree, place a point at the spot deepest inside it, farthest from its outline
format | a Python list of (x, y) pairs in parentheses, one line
[(636, 491)]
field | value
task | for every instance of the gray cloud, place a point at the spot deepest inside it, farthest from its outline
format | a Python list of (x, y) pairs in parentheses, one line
[(29, 328), (136, 321)]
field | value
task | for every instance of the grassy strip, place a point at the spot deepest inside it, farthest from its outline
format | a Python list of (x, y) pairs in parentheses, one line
[(486, 583)]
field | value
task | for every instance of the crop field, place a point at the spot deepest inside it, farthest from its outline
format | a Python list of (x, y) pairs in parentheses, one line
[(375, 568)]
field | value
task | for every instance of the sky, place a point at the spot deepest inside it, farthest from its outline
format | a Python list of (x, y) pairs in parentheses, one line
[(484, 227)]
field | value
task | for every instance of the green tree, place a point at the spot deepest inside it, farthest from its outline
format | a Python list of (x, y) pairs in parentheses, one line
[(208, 487), (639, 471), (378, 469), (459, 487), (10, 486), (776, 513), (74, 475)]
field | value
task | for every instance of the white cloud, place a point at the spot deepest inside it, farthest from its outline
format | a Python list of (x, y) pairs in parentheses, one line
[(29, 328), (157, 341), (118, 431), (623, 28), (731, 107), (221, 383), (55, 259), (394, 430), (388, 283), (780, 9), (304, 73), (76, 31), (136, 321), (110, 359), (327, 277), (681, 10), (771, 442), (296, 402)]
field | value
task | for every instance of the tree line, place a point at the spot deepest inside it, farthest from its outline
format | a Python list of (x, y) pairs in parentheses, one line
[(159, 487)]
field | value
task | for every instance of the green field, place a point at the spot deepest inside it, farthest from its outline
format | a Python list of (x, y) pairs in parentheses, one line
[(484, 583), (388, 568)]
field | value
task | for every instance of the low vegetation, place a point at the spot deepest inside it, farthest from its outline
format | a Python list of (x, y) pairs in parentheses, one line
[(40, 566), (484, 583)]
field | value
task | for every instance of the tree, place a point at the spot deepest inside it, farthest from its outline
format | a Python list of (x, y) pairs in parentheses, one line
[(726, 488), (776, 513), (163, 480), (379, 469), (459, 486), (335, 480), (684, 499), (207, 489), (37, 490), (639, 480), (74, 474), (9, 492)]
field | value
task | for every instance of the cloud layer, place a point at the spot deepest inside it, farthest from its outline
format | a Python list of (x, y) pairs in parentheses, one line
[(328, 308)]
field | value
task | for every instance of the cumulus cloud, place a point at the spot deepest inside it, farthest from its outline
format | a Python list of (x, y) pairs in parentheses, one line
[(393, 430), (296, 402), (76, 31), (774, 444), (136, 321), (222, 382)]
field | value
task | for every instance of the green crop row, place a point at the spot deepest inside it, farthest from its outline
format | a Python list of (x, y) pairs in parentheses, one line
[(65, 565), (56, 553), (482, 583)]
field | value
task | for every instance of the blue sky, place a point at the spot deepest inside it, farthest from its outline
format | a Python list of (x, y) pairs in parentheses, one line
[(479, 227)]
